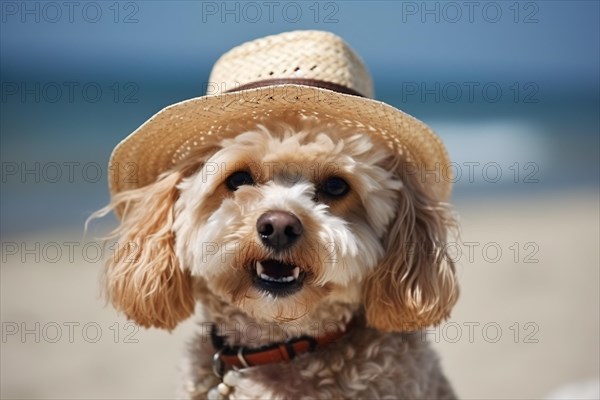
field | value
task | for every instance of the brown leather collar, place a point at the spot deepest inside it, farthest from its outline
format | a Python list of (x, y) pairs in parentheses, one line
[(297, 81), (243, 357)]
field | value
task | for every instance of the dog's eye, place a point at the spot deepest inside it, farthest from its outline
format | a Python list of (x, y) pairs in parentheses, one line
[(238, 179), (335, 187)]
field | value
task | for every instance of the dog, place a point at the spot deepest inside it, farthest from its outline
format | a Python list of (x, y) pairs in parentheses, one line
[(310, 253)]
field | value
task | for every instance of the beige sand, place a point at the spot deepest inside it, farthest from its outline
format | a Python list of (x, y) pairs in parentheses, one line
[(520, 329)]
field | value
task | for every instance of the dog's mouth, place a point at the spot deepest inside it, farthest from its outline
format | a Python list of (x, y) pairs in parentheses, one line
[(278, 278)]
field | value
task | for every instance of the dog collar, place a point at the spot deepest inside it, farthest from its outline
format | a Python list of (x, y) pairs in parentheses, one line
[(244, 357)]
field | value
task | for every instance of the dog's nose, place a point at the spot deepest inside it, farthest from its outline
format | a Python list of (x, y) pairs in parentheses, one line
[(278, 229)]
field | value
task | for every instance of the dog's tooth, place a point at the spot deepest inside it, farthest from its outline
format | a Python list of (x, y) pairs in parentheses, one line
[(265, 277), (296, 272), (259, 269)]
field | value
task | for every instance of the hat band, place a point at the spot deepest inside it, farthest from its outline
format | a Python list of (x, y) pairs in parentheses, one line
[(298, 81)]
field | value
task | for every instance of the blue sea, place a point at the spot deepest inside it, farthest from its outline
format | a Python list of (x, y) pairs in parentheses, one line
[(54, 155)]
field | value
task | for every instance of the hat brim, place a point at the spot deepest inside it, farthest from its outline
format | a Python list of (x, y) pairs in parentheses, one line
[(175, 131)]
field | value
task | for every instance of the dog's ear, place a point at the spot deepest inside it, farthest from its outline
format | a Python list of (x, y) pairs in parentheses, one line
[(143, 278), (414, 285)]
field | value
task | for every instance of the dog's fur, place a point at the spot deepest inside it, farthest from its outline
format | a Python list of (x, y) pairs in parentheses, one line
[(375, 255)]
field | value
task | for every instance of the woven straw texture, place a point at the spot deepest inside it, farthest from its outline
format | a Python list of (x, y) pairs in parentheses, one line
[(300, 54), (179, 130)]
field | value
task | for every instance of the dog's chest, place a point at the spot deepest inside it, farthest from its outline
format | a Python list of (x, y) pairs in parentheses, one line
[(374, 366)]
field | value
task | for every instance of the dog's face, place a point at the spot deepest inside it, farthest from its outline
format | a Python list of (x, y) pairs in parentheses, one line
[(277, 222), (280, 221)]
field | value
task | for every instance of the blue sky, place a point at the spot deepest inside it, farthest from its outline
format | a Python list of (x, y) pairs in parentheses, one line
[(556, 41)]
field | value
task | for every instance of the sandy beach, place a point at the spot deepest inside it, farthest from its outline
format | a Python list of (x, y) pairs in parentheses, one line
[(527, 321)]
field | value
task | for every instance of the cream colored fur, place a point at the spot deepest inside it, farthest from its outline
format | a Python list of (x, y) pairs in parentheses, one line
[(376, 255)]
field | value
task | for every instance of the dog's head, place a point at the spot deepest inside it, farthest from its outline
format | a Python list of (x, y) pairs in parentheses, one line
[(279, 221)]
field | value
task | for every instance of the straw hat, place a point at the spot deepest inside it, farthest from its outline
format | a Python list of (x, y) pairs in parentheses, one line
[(307, 72)]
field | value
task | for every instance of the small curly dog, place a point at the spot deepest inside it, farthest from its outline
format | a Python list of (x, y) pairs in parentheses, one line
[(290, 213)]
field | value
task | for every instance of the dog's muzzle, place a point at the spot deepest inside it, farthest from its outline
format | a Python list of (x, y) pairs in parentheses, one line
[(278, 231)]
